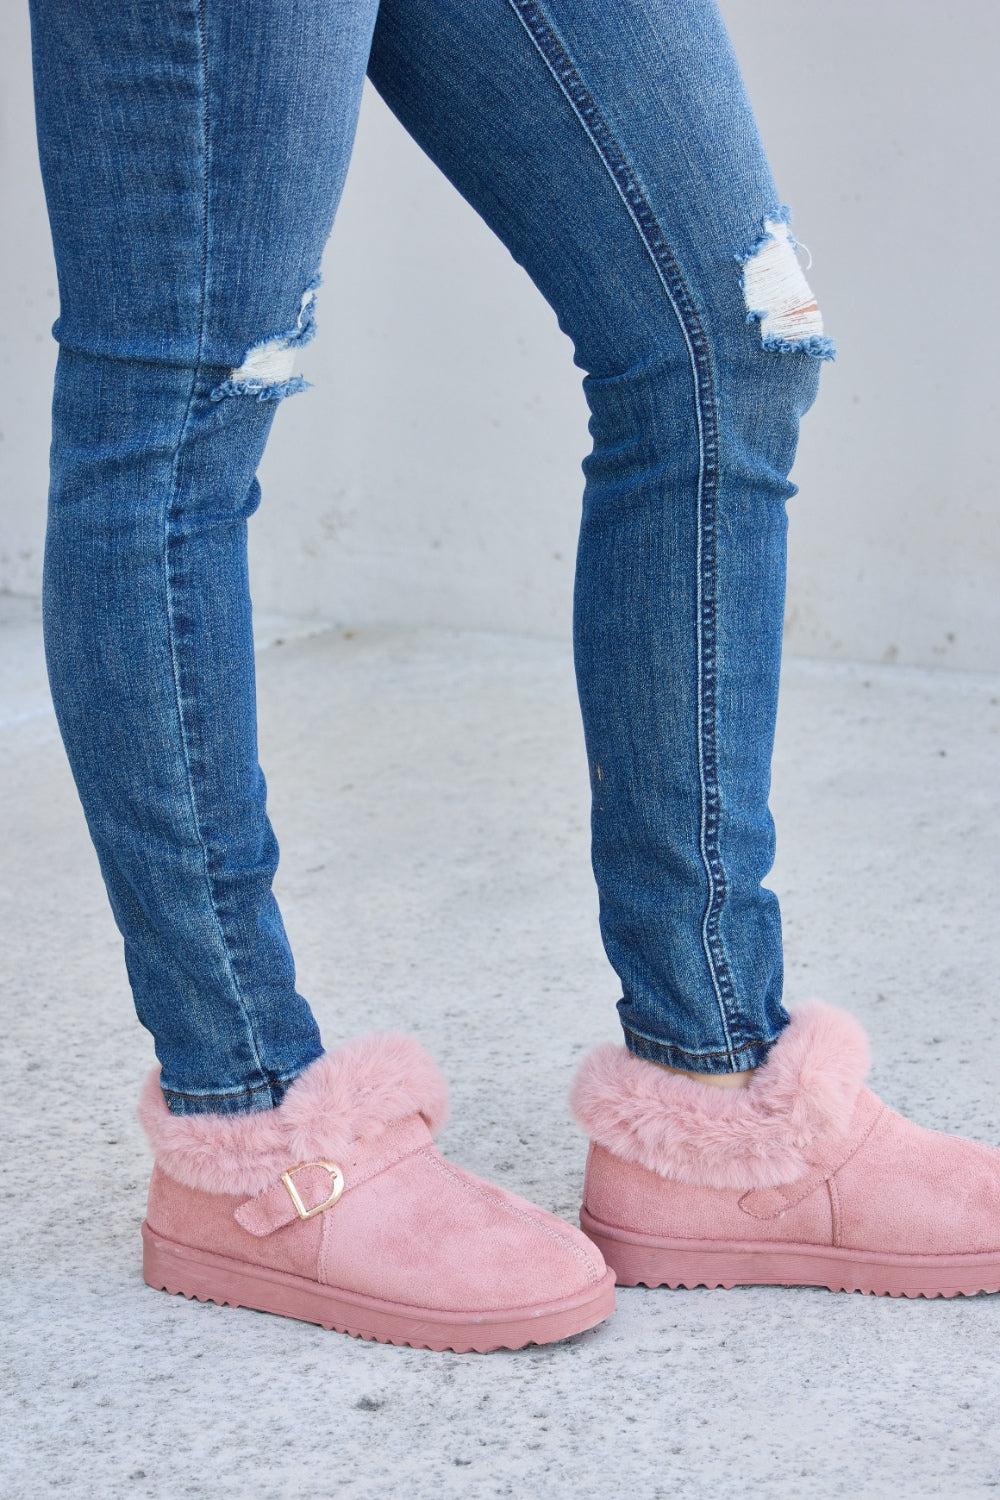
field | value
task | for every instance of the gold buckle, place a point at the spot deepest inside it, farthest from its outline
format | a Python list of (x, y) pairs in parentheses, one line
[(336, 1183)]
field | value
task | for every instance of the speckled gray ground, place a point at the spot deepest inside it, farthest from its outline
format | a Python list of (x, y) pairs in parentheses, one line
[(430, 794)]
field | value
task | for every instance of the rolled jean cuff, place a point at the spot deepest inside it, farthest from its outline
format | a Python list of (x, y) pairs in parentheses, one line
[(244, 1101), (730, 1060)]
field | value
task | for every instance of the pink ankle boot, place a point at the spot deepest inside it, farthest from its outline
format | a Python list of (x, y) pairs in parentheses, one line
[(804, 1178), (336, 1207)]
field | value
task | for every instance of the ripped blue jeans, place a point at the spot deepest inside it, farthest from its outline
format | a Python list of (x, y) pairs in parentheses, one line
[(193, 153)]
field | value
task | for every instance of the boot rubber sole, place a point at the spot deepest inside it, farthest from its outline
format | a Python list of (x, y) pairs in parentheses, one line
[(649, 1260), (171, 1267)]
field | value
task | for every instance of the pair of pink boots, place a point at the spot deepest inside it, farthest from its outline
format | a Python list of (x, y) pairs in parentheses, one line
[(338, 1208)]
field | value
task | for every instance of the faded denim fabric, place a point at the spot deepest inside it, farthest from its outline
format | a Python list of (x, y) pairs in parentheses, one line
[(194, 153)]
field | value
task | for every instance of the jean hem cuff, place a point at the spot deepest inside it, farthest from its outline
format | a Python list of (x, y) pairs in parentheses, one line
[(242, 1101), (750, 1054)]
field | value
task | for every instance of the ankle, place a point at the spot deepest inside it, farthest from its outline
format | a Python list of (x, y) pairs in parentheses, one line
[(716, 1080)]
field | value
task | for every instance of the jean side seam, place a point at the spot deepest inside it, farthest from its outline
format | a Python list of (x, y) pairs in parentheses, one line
[(169, 513), (613, 158)]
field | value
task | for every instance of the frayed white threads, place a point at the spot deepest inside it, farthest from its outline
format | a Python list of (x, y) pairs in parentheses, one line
[(776, 292), (272, 363)]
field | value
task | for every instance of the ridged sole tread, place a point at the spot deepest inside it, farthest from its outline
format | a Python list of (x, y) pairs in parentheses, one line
[(202, 1277), (645, 1260)]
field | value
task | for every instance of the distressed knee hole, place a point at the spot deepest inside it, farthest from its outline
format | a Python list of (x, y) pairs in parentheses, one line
[(267, 369), (779, 298)]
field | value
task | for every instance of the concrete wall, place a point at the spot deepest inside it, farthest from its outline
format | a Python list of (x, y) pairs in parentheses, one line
[(432, 475), (27, 310)]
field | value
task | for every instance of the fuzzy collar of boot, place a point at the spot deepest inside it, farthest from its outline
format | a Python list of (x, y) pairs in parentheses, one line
[(758, 1136), (344, 1096)]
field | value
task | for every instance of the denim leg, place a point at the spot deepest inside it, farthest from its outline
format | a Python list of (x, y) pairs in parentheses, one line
[(613, 150), (193, 153)]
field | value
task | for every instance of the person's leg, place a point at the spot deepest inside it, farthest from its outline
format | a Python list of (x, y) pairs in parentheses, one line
[(613, 150), (193, 153), (611, 147)]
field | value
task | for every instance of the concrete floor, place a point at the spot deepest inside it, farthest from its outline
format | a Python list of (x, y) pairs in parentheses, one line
[(430, 794)]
